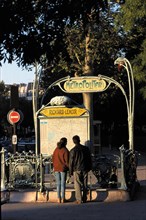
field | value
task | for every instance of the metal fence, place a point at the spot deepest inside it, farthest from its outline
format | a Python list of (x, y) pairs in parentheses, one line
[(24, 170), (28, 170), (105, 168)]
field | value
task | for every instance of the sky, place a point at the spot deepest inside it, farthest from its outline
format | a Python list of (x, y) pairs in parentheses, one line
[(11, 74)]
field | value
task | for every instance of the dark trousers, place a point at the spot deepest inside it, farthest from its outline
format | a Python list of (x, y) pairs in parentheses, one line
[(80, 184)]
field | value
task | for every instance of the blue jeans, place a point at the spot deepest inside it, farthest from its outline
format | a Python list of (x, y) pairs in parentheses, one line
[(60, 184)]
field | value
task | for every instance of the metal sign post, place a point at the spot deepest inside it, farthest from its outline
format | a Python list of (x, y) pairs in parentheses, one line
[(13, 118)]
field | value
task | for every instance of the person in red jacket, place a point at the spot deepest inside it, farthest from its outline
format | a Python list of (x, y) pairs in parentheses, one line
[(60, 164)]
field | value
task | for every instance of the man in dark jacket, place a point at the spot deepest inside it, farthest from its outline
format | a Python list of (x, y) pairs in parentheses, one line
[(79, 166)]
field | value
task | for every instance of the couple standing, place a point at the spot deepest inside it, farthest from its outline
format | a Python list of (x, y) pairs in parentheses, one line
[(78, 162)]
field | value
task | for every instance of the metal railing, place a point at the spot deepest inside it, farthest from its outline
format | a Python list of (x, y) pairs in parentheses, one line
[(21, 170), (129, 163), (105, 168)]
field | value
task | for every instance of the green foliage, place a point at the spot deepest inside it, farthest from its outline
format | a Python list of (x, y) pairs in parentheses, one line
[(3, 90), (31, 29), (132, 19), (132, 13), (103, 47), (53, 33)]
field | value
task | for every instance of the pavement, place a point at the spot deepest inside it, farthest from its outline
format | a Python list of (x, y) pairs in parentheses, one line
[(96, 194)]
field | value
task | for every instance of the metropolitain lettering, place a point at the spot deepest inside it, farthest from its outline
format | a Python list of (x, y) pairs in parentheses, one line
[(84, 84)]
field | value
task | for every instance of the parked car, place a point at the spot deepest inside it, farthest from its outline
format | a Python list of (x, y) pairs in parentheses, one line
[(26, 144)]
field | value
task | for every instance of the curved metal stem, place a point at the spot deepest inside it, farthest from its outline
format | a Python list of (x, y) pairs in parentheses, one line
[(126, 64)]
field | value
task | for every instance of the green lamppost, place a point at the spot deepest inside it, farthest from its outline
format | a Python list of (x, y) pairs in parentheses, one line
[(123, 62)]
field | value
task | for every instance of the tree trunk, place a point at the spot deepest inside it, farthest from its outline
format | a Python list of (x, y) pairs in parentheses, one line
[(88, 97)]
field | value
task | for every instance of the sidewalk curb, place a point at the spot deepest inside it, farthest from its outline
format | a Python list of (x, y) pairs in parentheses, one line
[(110, 195)]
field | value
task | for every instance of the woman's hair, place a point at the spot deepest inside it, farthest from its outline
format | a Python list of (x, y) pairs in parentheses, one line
[(59, 145), (62, 143), (63, 140)]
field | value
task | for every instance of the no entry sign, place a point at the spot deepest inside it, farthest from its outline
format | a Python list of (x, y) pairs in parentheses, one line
[(13, 117)]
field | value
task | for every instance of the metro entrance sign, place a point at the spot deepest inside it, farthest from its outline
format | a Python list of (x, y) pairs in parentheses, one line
[(84, 84), (13, 117)]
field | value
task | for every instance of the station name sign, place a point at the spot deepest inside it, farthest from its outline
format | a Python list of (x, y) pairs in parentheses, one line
[(63, 112), (85, 84)]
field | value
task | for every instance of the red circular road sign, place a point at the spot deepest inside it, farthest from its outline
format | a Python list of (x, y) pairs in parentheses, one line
[(13, 117)]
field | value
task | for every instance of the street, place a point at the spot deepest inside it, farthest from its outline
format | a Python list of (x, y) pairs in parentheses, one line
[(132, 210)]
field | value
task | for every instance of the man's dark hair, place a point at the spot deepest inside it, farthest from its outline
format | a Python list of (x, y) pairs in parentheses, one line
[(76, 139)]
